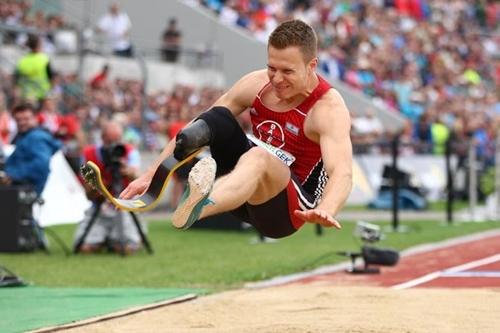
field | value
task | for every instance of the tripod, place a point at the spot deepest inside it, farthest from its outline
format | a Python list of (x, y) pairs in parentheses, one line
[(92, 220)]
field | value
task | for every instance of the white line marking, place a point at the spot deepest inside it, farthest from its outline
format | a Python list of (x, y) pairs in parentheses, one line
[(456, 269), (481, 274), (474, 264)]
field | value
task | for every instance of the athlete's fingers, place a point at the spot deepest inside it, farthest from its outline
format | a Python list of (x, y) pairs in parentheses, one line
[(335, 223), (123, 193), (126, 193), (318, 216)]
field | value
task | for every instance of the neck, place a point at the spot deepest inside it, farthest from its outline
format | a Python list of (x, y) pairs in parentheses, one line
[(312, 82)]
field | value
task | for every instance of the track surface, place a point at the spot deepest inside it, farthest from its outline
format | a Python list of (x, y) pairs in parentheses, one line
[(470, 264)]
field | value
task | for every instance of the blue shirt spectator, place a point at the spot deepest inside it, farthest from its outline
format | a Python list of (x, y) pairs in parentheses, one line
[(30, 161)]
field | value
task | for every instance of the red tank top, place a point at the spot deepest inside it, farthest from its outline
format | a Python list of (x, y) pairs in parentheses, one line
[(285, 130)]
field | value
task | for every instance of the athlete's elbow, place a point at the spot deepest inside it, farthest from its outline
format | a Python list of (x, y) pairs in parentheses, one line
[(345, 178), (349, 181)]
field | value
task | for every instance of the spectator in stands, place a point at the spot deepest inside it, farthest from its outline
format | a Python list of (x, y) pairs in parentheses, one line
[(422, 135), (49, 116), (366, 131), (33, 72), (440, 134), (112, 228), (73, 139), (29, 163), (171, 41), (7, 123), (100, 80), (116, 26)]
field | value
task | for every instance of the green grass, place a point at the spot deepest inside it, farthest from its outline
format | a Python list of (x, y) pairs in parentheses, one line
[(438, 206), (210, 259)]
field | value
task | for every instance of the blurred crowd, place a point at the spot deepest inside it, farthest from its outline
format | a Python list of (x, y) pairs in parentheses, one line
[(74, 112), (20, 13), (436, 62)]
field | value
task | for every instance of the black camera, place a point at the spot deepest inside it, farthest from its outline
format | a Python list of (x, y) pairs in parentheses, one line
[(112, 156)]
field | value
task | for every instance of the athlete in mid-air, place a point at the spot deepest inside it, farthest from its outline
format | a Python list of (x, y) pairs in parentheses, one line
[(297, 166)]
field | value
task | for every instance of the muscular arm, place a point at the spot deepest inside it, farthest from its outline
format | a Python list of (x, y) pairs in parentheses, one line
[(336, 150), (330, 125)]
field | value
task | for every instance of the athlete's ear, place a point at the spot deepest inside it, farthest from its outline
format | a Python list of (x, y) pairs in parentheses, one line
[(313, 64)]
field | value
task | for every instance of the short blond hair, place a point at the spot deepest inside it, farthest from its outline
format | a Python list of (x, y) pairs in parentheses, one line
[(295, 33)]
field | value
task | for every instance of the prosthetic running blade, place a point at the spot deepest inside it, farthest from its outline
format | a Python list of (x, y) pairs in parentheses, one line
[(92, 176)]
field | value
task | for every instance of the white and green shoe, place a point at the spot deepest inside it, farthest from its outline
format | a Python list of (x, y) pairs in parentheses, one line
[(200, 182)]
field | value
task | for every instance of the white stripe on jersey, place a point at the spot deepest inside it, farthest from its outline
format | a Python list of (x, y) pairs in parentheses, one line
[(302, 113), (304, 203)]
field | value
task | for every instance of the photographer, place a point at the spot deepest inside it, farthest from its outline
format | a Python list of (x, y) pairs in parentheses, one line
[(30, 161), (119, 164)]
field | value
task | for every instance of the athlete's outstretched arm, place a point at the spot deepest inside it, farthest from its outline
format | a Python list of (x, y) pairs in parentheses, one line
[(141, 184), (331, 121)]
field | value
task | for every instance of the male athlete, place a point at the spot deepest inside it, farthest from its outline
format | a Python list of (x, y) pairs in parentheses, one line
[(306, 174)]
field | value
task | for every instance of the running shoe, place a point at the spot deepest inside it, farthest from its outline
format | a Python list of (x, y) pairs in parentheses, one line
[(200, 182)]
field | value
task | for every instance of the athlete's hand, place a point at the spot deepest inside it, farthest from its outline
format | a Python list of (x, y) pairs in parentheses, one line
[(318, 216), (137, 187)]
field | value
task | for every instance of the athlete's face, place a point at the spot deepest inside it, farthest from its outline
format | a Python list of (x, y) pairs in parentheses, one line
[(288, 71)]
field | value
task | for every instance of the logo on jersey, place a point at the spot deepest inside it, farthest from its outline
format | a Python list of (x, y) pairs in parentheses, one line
[(271, 133), (292, 128), (254, 112), (284, 156)]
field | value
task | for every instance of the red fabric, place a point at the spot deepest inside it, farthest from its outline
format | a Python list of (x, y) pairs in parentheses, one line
[(492, 11), (50, 121), (98, 80), (174, 128), (69, 126), (416, 9), (293, 204), (285, 130), (497, 73), (4, 127), (403, 6), (259, 17)]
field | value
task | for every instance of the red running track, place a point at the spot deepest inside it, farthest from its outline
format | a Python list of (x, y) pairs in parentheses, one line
[(474, 264)]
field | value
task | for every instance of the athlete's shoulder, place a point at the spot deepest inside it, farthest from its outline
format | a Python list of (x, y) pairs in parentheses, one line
[(242, 94), (330, 106), (256, 78), (331, 98), (250, 84)]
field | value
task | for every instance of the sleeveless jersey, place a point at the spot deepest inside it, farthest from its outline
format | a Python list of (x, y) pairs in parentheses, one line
[(285, 130)]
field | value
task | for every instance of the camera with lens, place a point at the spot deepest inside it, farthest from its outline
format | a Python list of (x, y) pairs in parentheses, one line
[(112, 156), (368, 232)]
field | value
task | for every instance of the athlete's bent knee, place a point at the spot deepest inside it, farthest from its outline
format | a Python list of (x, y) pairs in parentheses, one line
[(257, 156)]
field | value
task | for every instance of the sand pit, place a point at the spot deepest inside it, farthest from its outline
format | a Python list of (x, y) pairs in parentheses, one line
[(300, 308)]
